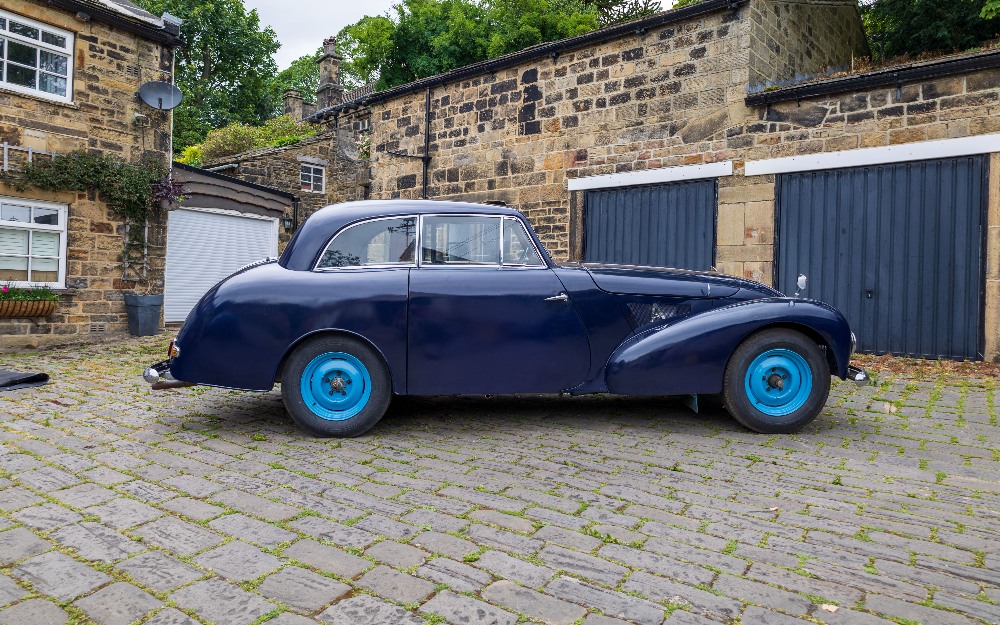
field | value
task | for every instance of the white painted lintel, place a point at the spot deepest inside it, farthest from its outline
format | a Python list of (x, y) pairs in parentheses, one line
[(906, 152), (652, 176)]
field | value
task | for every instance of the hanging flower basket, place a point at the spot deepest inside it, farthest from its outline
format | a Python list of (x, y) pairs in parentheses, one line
[(31, 301), (27, 308)]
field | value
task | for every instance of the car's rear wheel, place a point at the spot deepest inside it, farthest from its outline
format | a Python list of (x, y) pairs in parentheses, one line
[(335, 386), (777, 381)]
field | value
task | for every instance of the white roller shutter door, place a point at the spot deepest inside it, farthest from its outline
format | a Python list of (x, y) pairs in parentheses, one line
[(205, 246)]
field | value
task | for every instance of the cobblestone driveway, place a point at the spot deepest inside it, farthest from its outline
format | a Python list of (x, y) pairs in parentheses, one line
[(122, 506)]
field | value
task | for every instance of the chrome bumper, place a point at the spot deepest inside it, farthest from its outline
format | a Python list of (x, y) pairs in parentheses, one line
[(858, 376), (159, 377)]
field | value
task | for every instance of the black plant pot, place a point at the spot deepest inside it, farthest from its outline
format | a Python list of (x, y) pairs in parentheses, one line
[(143, 313)]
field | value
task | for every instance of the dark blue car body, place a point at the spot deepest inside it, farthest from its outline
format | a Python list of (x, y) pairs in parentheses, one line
[(490, 329)]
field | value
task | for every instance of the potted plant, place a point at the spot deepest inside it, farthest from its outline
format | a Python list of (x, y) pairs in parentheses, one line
[(30, 301)]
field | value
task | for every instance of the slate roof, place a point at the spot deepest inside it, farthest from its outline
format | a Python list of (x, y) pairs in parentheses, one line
[(128, 16)]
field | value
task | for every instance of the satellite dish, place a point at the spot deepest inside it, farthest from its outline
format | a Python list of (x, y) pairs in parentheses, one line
[(160, 95)]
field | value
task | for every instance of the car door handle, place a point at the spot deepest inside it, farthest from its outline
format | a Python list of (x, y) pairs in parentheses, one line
[(562, 297)]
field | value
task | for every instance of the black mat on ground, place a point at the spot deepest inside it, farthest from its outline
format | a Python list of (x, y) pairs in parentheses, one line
[(10, 380)]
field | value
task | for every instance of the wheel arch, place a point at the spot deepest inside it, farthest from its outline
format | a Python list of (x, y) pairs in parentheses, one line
[(334, 332), (809, 332)]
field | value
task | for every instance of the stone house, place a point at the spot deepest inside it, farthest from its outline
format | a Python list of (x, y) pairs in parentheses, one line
[(729, 134), (70, 73)]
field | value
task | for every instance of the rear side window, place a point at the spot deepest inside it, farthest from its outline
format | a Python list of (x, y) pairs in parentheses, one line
[(460, 241), (380, 242)]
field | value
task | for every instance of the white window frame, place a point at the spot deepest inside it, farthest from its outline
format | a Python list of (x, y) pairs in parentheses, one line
[(312, 173), (62, 229), (38, 44)]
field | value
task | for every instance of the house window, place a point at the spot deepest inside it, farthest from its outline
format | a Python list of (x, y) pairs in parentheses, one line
[(32, 243), (313, 178), (35, 58)]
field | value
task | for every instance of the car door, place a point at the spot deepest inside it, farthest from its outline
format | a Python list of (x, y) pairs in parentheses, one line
[(487, 315)]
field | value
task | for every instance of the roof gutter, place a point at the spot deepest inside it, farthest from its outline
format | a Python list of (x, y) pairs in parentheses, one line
[(551, 49), (146, 30), (889, 77)]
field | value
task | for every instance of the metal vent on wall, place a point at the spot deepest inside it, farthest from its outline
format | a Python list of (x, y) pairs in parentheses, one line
[(131, 71), (98, 328)]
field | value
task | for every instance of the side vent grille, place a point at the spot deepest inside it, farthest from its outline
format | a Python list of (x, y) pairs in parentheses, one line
[(645, 314), (98, 328)]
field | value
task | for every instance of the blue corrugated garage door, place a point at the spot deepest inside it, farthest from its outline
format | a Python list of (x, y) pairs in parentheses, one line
[(667, 225), (897, 248)]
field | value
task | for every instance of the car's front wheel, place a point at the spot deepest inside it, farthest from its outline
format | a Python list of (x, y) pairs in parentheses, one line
[(335, 386), (777, 381)]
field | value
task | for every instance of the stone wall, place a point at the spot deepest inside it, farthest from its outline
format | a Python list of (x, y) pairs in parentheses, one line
[(795, 39), (644, 101), (110, 63)]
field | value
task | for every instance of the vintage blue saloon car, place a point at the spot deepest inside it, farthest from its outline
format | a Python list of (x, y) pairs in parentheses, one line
[(381, 298)]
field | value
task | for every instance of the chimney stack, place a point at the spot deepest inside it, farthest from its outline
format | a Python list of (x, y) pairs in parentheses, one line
[(293, 104), (330, 92)]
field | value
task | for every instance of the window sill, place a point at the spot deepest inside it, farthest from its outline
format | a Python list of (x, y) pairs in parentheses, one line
[(39, 98)]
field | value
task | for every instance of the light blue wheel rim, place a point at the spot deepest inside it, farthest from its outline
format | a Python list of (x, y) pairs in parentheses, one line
[(335, 386), (778, 382)]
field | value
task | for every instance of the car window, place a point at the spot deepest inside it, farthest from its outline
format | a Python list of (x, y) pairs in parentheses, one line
[(378, 242), (460, 240), (517, 246)]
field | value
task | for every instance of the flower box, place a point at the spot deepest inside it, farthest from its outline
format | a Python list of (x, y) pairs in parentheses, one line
[(27, 308)]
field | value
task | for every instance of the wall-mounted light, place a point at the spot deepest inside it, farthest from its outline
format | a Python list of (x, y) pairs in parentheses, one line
[(287, 222)]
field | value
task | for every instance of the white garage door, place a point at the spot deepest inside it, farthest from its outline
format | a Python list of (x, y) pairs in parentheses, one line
[(203, 247)]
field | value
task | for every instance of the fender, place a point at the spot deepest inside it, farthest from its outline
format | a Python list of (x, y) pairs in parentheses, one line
[(242, 329), (689, 355)]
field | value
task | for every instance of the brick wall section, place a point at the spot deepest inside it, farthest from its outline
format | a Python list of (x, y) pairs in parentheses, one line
[(652, 100), (347, 174), (793, 39), (108, 66)]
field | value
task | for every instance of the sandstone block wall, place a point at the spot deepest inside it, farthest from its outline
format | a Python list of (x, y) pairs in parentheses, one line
[(110, 64), (649, 100), (795, 39)]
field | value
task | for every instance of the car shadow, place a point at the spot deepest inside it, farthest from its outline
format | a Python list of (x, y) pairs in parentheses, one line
[(589, 412)]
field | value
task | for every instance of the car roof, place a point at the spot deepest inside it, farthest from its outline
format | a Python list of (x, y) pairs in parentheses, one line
[(301, 252)]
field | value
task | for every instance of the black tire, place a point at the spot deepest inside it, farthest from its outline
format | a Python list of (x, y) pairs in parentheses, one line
[(773, 347), (303, 405)]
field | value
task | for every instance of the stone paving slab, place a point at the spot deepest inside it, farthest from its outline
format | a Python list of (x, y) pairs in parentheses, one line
[(198, 506)]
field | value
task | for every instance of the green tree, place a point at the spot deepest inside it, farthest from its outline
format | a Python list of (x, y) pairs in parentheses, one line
[(897, 27), (365, 46), (225, 69), (617, 11), (432, 37), (420, 38), (302, 75), (517, 24)]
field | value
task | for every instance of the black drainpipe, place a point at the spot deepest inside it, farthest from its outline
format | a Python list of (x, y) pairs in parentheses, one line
[(426, 156), (295, 213)]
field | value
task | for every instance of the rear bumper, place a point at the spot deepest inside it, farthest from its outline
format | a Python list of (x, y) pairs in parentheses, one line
[(159, 377), (858, 376)]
